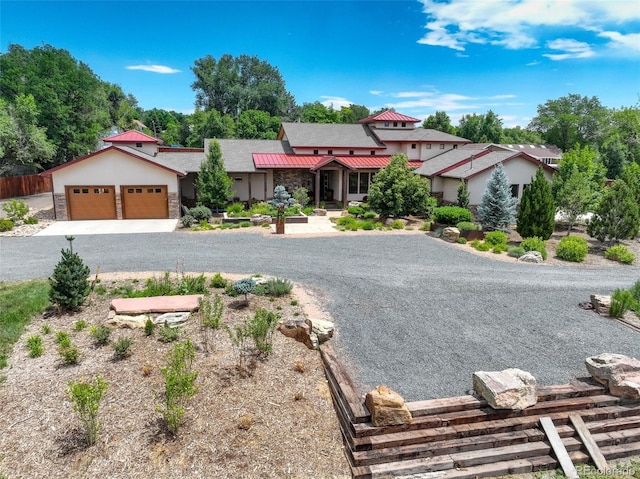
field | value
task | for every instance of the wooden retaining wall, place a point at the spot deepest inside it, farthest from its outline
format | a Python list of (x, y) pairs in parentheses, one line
[(462, 437), (14, 186)]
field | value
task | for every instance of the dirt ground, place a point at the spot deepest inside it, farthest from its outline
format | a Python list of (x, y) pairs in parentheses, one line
[(278, 422)]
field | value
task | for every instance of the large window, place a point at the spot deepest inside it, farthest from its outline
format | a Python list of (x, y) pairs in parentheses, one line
[(359, 182), (514, 190)]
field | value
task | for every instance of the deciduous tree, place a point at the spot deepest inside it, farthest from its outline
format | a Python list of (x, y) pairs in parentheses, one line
[(439, 121)]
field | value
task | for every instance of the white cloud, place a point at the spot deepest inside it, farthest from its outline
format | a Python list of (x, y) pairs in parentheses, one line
[(571, 48), (335, 102), (533, 63), (153, 68), (375, 92), (630, 42), (514, 24)]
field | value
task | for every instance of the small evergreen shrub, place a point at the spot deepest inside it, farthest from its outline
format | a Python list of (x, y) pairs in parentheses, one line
[(16, 210), (619, 253), (475, 243), (516, 251), (369, 215), (496, 238), (468, 225), (244, 286), (301, 195), (5, 225), (462, 240), (70, 354), (85, 399), (122, 348), (635, 291), (167, 334), (34, 344), (218, 281), (451, 215), (235, 209), (200, 213), (355, 211), (499, 248), (245, 224), (69, 283), (30, 220), (397, 225), (534, 244), (187, 221), (484, 246), (278, 287), (346, 220), (149, 327), (101, 335), (368, 225), (572, 248)]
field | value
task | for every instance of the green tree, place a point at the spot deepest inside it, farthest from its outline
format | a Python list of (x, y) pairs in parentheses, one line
[(69, 281), (570, 120), (209, 124), (232, 85), (353, 113), (23, 144), (572, 193), (440, 121), (255, 124), (463, 195), (519, 136), (536, 216), (213, 183), (498, 207), (491, 127), (397, 191), (470, 127), (123, 109), (584, 159), (631, 176), (617, 215), (316, 112)]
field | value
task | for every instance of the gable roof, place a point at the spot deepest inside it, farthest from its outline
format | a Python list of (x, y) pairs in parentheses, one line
[(328, 135), (131, 136), (313, 162), (389, 115), (417, 134), (122, 149)]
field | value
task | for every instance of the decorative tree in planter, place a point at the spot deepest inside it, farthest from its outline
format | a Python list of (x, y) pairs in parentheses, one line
[(281, 200)]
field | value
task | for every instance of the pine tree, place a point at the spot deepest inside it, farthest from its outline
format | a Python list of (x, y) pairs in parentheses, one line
[(536, 216), (69, 282), (498, 208), (213, 183), (463, 195), (617, 215)]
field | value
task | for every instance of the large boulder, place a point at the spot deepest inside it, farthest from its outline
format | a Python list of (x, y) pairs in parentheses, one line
[(387, 407), (607, 365), (450, 234), (298, 329), (531, 257), (625, 385), (601, 304), (508, 389), (323, 329)]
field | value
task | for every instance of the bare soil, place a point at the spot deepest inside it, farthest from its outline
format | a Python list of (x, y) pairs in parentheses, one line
[(277, 422)]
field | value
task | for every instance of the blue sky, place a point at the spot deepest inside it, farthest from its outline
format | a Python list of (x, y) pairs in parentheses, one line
[(419, 56)]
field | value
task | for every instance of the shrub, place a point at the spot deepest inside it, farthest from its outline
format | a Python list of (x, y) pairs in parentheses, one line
[(80, 325), (244, 286), (30, 220), (149, 327), (179, 384), (70, 354), (517, 251), (62, 338), (475, 243), (397, 225), (468, 225), (187, 221), (245, 224), (69, 283), (101, 335), (167, 334), (218, 281), (621, 301), (261, 208), (572, 248), (278, 286), (619, 253), (200, 213), (496, 238), (308, 210), (34, 344), (462, 240), (484, 246), (499, 248), (451, 215), (261, 328), (368, 225), (230, 291), (635, 291), (235, 209), (85, 399), (498, 207), (46, 328), (6, 225), (121, 348), (534, 244), (369, 215), (301, 195), (191, 284), (16, 210), (346, 221), (211, 311), (355, 211)]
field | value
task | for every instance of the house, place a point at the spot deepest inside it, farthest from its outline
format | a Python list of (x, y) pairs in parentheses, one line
[(134, 176), (473, 164)]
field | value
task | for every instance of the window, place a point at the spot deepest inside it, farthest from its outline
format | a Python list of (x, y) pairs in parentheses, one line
[(315, 152), (428, 146), (351, 152), (455, 147), (386, 123), (76, 191), (514, 190), (373, 152), (359, 182), (138, 145), (138, 190), (413, 146), (395, 123), (129, 190), (158, 190), (329, 152), (442, 146), (404, 123), (237, 178), (149, 190), (364, 183), (353, 183), (96, 191), (85, 190)]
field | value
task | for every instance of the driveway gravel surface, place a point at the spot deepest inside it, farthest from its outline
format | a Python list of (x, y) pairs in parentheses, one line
[(412, 312)]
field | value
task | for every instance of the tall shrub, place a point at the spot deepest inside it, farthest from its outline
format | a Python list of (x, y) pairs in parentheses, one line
[(498, 207), (536, 216), (463, 195), (617, 215), (69, 281), (213, 183), (85, 399)]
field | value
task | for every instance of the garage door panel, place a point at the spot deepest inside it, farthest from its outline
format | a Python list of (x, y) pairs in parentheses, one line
[(95, 202), (144, 201)]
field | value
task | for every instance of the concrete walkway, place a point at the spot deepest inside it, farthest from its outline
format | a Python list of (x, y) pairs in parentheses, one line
[(105, 227)]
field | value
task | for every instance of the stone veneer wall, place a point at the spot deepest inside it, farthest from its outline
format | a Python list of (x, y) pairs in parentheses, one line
[(292, 179), (118, 206), (174, 206), (60, 207)]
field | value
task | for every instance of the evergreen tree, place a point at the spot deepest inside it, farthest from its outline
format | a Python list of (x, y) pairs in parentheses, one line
[(498, 208), (213, 183), (617, 215), (69, 282), (536, 216), (463, 195)]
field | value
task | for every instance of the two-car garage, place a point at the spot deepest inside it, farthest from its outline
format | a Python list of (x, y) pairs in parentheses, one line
[(98, 202)]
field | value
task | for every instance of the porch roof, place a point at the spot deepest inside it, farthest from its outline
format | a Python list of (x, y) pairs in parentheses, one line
[(278, 160)]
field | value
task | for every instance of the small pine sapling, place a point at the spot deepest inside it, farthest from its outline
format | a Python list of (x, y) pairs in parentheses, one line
[(69, 283)]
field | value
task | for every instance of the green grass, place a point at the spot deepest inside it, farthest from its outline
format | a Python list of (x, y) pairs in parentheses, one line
[(19, 302)]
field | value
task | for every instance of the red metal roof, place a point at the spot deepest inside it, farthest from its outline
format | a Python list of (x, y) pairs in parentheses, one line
[(389, 116), (131, 136), (283, 160)]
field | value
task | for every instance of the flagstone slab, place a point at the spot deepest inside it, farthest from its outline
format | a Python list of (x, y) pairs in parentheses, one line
[(156, 304)]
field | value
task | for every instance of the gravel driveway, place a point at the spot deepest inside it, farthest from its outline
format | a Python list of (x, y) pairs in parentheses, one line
[(412, 312)]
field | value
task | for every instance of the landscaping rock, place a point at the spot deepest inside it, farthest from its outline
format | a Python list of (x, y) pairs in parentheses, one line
[(387, 407), (531, 257), (172, 320), (259, 220), (450, 234), (323, 329), (607, 365), (319, 212), (508, 389), (156, 304), (625, 385), (298, 329), (601, 304), (123, 321), (344, 213), (389, 221)]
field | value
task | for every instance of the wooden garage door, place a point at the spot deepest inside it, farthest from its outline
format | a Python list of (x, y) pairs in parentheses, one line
[(144, 201), (91, 202)]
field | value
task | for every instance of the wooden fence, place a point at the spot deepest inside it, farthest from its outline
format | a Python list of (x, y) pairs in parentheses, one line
[(24, 186)]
